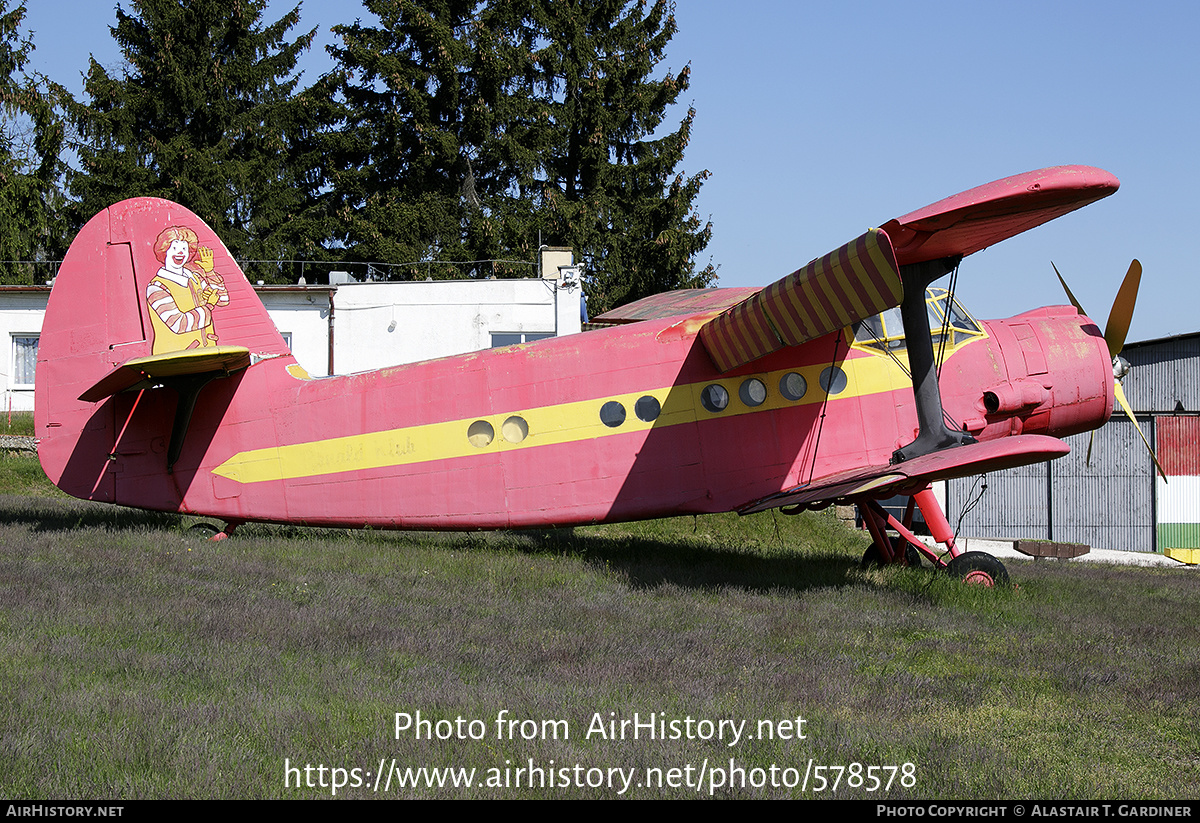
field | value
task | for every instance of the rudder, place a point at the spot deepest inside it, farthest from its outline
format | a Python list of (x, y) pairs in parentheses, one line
[(143, 277)]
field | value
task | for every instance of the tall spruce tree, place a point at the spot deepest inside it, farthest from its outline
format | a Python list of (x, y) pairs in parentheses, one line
[(31, 138), (478, 131), (394, 92), (203, 113), (410, 171), (610, 185)]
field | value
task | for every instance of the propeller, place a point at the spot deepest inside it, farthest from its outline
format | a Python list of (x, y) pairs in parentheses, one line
[(1115, 331)]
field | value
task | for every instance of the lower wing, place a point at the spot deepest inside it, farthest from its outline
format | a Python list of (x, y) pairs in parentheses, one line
[(883, 481)]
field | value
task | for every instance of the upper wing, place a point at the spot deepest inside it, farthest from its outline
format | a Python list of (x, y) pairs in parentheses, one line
[(862, 278), (857, 281), (962, 461), (983, 216)]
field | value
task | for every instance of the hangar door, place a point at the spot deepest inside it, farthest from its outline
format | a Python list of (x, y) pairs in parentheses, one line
[(1108, 504)]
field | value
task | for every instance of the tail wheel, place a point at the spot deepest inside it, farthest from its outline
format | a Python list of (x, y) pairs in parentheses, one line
[(204, 531), (978, 569)]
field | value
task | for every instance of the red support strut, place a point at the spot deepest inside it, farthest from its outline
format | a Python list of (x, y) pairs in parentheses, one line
[(879, 521)]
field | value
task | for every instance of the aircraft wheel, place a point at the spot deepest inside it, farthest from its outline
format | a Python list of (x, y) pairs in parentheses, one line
[(203, 531), (978, 569), (873, 558)]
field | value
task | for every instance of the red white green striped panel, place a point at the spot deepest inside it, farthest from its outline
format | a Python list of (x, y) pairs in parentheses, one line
[(1178, 446)]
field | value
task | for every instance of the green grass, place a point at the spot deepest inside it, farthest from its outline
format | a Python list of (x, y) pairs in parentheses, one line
[(21, 474), (18, 423), (137, 662)]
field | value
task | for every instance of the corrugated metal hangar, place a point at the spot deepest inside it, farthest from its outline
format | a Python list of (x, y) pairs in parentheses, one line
[(1116, 501)]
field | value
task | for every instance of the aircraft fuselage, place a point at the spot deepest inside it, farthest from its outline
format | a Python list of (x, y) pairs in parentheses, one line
[(616, 424)]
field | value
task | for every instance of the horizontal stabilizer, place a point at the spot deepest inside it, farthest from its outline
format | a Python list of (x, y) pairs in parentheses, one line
[(881, 481), (857, 281), (215, 359)]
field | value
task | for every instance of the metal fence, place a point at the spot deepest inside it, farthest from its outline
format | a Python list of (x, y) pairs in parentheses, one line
[(43, 272)]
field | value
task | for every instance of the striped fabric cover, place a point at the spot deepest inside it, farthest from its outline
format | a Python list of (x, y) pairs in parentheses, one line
[(859, 280)]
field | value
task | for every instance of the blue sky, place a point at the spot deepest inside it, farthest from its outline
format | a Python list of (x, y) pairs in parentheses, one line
[(819, 120)]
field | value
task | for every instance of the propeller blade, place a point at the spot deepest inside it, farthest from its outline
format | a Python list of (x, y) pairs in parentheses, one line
[(1067, 289), (1120, 395), (1122, 311), (1091, 442)]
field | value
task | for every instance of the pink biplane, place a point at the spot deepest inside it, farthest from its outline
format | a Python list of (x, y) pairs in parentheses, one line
[(162, 384)]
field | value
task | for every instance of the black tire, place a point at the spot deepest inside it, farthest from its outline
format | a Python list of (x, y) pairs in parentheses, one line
[(978, 569), (873, 558)]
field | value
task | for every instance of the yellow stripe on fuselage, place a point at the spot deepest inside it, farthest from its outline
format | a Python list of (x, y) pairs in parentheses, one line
[(546, 425)]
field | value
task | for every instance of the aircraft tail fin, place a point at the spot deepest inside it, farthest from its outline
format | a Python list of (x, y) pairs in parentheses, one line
[(145, 285)]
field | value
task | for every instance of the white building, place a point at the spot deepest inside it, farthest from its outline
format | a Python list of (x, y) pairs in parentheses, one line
[(351, 327)]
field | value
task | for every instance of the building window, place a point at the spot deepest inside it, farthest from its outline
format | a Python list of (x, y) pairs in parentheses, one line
[(24, 360), (287, 339), (513, 338)]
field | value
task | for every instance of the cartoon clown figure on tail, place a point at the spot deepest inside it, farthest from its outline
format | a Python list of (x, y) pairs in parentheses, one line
[(184, 292)]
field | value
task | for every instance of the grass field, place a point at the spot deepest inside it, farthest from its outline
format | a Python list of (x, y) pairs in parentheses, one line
[(139, 662)]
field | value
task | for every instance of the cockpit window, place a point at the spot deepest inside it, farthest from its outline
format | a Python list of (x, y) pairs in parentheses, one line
[(886, 331), (883, 331), (945, 311)]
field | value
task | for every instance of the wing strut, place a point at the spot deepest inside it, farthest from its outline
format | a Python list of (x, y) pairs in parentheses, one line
[(934, 434)]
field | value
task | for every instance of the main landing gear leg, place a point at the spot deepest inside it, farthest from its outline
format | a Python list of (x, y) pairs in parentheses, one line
[(907, 549)]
